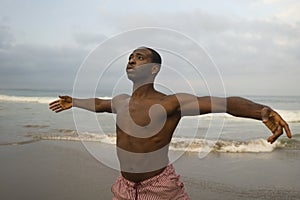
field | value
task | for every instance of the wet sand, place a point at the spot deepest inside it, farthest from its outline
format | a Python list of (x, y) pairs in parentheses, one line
[(65, 170), (53, 170)]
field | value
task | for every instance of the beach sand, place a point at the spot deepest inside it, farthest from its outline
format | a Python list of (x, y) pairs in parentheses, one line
[(65, 170), (53, 170)]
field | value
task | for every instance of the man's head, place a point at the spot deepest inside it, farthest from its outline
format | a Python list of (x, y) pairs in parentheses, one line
[(143, 63), (155, 56)]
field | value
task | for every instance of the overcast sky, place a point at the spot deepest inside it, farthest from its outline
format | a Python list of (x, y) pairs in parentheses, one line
[(254, 43)]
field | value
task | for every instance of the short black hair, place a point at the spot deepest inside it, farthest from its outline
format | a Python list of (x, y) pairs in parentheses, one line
[(156, 58)]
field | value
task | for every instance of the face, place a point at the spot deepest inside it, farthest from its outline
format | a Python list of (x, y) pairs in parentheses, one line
[(139, 64)]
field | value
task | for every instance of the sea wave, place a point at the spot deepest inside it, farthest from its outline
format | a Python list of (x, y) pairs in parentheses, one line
[(32, 99), (291, 116), (43, 100), (222, 146), (184, 144)]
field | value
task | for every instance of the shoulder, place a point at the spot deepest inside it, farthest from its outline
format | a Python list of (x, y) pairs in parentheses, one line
[(118, 101), (169, 102), (180, 100), (119, 98), (179, 97)]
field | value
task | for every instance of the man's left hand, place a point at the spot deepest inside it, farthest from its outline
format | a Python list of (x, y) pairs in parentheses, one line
[(275, 123)]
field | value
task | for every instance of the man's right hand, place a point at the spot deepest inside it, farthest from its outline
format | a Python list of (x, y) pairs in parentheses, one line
[(63, 103)]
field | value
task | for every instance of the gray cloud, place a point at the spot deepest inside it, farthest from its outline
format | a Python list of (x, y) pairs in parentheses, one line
[(263, 51), (30, 66), (254, 56), (88, 39), (6, 37)]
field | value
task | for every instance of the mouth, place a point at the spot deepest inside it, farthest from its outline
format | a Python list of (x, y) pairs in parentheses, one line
[(129, 68)]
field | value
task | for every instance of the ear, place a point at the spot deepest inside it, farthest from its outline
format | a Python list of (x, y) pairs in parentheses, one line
[(155, 69)]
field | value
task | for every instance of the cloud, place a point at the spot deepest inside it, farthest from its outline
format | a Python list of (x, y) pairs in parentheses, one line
[(249, 52), (286, 11), (262, 50), (88, 40), (223, 34), (6, 36), (290, 14), (32, 66)]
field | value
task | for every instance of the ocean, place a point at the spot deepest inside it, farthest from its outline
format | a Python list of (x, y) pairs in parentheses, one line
[(26, 119)]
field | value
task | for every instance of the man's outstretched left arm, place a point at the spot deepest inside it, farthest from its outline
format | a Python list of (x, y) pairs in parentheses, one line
[(241, 107), (238, 107)]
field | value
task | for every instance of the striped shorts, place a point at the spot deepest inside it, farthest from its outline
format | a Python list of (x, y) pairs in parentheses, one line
[(165, 185)]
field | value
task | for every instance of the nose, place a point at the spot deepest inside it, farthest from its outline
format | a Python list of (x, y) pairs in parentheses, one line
[(131, 61)]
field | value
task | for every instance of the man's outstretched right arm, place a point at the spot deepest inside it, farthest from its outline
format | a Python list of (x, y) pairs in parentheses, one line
[(91, 104)]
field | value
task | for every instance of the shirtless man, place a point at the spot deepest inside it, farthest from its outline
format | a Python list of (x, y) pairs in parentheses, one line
[(146, 121)]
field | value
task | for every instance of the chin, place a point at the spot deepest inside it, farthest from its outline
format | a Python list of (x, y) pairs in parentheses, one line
[(130, 77)]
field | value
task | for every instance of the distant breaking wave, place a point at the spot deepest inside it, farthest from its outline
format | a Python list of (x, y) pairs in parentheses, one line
[(41, 100), (185, 144)]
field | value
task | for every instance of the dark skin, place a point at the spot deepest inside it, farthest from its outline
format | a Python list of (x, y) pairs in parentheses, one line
[(133, 118)]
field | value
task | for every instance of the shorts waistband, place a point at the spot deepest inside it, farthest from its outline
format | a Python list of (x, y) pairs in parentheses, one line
[(167, 171)]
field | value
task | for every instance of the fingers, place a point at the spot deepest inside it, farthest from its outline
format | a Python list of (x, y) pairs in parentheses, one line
[(275, 123), (278, 132), (53, 105), (54, 102), (271, 125), (268, 118), (56, 105), (59, 110), (286, 129), (59, 100)]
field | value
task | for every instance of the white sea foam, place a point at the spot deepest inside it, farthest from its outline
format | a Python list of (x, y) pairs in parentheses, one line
[(42, 100), (202, 145), (182, 144), (73, 136), (292, 116)]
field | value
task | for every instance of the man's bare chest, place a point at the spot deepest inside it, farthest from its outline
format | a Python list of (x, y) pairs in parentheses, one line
[(142, 113), (141, 117)]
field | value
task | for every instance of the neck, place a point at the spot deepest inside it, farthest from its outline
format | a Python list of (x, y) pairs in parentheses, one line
[(142, 90)]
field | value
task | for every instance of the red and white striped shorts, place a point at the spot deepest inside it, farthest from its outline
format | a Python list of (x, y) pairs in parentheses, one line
[(165, 185)]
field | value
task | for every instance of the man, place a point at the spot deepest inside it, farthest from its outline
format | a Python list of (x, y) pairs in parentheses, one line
[(145, 124)]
